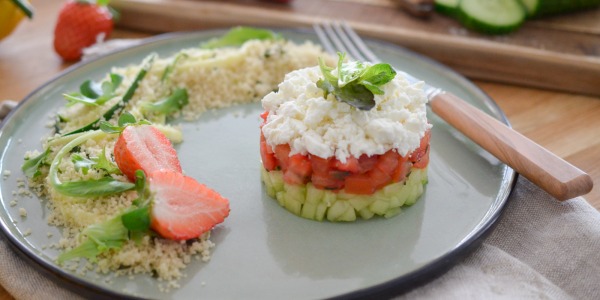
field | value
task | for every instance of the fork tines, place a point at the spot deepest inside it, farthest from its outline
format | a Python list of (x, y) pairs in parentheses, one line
[(339, 36)]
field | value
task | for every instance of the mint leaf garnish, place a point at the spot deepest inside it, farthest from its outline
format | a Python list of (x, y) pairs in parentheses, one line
[(356, 83)]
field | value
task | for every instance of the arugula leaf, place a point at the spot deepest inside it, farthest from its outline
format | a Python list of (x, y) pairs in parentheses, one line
[(111, 234), (238, 36), (356, 83), (104, 164), (117, 108), (90, 89), (138, 219), (31, 166), (125, 119), (85, 188), (132, 224), (82, 163), (169, 69), (98, 163), (175, 102), (94, 94), (94, 187)]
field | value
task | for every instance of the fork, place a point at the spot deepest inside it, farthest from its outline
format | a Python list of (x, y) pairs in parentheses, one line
[(551, 173)]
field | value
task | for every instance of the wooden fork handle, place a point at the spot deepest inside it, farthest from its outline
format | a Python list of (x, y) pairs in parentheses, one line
[(548, 171)]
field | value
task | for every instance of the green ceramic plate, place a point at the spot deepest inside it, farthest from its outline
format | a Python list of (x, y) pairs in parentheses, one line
[(262, 251)]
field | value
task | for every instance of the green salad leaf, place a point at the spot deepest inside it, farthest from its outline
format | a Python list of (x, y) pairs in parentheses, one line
[(98, 238), (84, 164), (31, 166), (84, 188), (137, 218), (238, 36), (169, 69), (355, 83), (95, 94), (125, 119), (175, 102), (117, 108), (104, 164), (93, 187), (132, 224)]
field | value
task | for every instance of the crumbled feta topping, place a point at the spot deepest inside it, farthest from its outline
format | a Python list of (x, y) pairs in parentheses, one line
[(300, 116)]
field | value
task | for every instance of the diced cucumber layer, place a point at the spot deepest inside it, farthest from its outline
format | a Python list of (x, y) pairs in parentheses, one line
[(309, 202)]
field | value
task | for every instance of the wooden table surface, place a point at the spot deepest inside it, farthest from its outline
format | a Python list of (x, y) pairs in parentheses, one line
[(566, 124)]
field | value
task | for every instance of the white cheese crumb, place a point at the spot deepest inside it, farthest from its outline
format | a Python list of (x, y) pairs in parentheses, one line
[(27, 232), (301, 117), (22, 212), (6, 174)]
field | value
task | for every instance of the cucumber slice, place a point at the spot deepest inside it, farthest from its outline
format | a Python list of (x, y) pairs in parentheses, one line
[(311, 203), (532, 6), (537, 8), (447, 7), (491, 16)]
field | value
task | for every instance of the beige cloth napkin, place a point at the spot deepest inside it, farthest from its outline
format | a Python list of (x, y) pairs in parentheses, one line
[(541, 249)]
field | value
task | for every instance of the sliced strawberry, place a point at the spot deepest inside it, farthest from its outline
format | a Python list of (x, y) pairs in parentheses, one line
[(144, 148), (183, 208), (78, 26)]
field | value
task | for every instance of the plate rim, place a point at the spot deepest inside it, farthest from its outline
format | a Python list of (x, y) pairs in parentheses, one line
[(394, 287)]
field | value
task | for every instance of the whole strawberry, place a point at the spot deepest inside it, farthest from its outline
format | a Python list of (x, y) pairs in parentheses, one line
[(78, 26)]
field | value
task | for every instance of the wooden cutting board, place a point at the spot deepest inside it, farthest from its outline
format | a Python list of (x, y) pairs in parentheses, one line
[(559, 53)]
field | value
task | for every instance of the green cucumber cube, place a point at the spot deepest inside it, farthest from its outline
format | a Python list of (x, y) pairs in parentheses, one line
[(321, 210), (313, 194), (309, 210), (337, 210), (379, 207), (365, 213)]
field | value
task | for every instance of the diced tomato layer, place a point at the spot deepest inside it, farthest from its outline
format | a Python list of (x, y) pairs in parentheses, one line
[(363, 175), (360, 184), (299, 169), (266, 154), (388, 162), (326, 182), (420, 157), (282, 153), (401, 170), (351, 165), (366, 163), (321, 165), (423, 160), (264, 116)]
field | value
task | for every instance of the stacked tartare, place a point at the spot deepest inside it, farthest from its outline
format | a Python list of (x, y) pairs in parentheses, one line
[(327, 153)]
